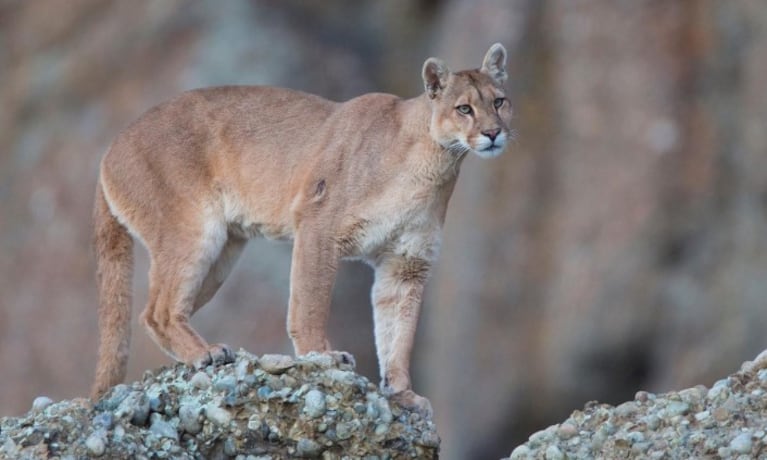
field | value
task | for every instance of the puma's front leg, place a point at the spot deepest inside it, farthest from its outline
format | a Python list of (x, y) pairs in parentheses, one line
[(312, 275), (397, 293)]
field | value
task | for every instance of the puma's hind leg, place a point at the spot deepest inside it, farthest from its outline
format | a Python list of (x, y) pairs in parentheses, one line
[(182, 278), (220, 269), (219, 353)]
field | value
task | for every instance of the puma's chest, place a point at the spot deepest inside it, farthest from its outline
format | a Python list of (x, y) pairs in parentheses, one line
[(405, 231)]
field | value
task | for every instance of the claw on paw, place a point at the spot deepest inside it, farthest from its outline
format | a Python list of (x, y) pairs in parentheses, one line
[(343, 358), (412, 401), (216, 355)]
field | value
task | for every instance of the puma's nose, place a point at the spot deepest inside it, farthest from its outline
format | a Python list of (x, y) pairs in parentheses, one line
[(492, 133)]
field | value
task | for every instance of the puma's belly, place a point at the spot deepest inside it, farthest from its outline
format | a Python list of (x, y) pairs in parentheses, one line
[(255, 221)]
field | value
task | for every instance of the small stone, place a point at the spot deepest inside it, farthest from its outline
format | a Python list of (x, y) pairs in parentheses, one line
[(308, 448), (360, 408), (741, 443), (314, 403), (642, 396), (104, 420), (141, 409), (276, 364), (134, 407), (96, 445), (677, 408), (521, 453), (640, 447), (189, 417), (321, 360), (652, 421), (254, 422), (263, 392), (718, 388), (114, 397), (540, 437), (635, 437), (200, 380), (163, 429), (721, 414), (243, 369), (230, 447), (226, 383), (40, 403), (217, 415), (344, 430), (429, 439), (692, 395), (626, 409), (567, 430), (335, 376), (702, 415), (553, 453), (118, 433), (155, 401)]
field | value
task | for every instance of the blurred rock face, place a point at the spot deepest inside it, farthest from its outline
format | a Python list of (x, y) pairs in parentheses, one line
[(619, 245)]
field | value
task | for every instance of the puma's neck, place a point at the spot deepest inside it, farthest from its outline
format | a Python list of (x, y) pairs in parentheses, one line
[(434, 163)]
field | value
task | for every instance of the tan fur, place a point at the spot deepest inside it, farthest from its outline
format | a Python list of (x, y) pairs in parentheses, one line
[(370, 178)]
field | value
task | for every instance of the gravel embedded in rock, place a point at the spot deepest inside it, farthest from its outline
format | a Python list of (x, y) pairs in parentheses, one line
[(200, 380), (308, 448), (96, 445), (314, 403), (741, 443), (41, 402), (189, 417), (217, 415), (238, 410), (276, 364)]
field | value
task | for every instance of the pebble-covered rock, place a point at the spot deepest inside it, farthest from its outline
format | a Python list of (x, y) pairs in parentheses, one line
[(267, 408), (726, 421)]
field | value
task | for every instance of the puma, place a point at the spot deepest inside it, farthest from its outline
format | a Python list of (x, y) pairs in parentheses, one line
[(369, 179)]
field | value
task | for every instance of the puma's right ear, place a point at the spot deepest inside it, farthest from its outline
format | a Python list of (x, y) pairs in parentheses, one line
[(494, 63), (435, 73)]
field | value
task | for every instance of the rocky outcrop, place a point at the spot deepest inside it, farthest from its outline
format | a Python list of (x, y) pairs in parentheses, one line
[(728, 420), (256, 408)]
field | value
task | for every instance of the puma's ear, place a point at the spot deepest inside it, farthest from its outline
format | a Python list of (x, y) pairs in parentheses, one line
[(435, 73), (494, 64)]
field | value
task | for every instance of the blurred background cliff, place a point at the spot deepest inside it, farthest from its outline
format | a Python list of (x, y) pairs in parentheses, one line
[(620, 245)]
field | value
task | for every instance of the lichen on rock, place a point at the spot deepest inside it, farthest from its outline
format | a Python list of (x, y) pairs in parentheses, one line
[(310, 407)]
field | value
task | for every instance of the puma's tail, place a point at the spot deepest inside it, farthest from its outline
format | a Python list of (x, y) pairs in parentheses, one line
[(114, 256)]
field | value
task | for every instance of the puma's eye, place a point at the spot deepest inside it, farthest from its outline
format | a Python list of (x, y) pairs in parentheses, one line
[(498, 102), (464, 109)]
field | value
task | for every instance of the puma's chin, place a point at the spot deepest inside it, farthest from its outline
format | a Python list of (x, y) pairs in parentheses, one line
[(491, 151), (486, 148)]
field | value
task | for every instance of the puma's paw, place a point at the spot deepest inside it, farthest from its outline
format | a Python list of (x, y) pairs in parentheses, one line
[(216, 355), (343, 358), (412, 401)]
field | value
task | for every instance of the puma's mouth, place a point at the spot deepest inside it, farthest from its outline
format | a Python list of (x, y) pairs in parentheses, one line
[(492, 150)]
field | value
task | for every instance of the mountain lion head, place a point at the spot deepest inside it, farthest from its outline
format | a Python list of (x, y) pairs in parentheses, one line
[(470, 111)]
